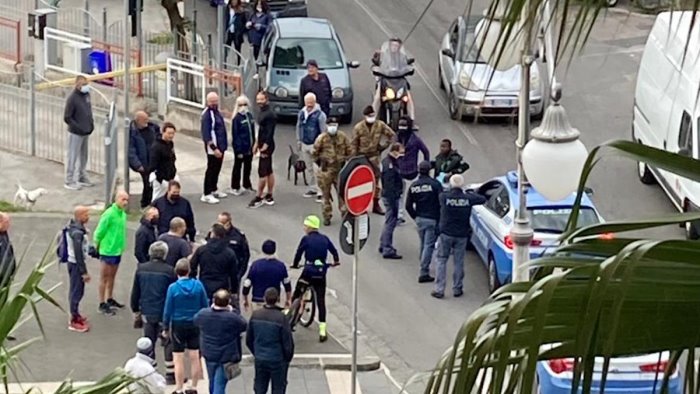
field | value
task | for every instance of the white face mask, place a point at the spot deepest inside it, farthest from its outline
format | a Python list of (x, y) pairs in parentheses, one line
[(85, 89), (370, 119), (332, 130), (259, 9), (243, 109)]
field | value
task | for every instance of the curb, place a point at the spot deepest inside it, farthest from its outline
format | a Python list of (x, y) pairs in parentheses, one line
[(332, 362)]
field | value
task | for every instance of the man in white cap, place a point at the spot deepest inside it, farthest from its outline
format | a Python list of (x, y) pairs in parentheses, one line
[(455, 209), (141, 367)]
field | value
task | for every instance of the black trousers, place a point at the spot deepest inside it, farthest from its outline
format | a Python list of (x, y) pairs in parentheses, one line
[(152, 329), (76, 289), (211, 176), (256, 51), (147, 194), (245, 165), (237, 41), (319, 285)]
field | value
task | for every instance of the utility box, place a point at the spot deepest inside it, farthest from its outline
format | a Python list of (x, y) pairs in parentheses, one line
[(40, 19), (100, 63), (76, 57)]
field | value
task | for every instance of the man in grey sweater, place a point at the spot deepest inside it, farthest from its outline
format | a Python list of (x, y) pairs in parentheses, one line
[(78, 117)]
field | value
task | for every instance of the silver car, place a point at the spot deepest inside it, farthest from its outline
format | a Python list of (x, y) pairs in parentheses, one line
[(465, 75)]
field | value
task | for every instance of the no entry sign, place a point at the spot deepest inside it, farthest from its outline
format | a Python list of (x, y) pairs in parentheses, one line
[(359, 190)]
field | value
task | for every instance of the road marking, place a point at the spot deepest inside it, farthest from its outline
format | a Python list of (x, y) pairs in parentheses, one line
[(625, 51), (459, 125), (339, 382), (360, 190), (332, 292)]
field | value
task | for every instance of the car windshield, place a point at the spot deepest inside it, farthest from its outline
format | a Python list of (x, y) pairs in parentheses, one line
[(554, 219), (470, 51), (295, 52), (393, 61)]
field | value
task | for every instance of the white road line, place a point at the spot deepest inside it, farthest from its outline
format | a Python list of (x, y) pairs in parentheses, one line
[(360, 190), (460, 126), (625, 51), (339, 382), (393, 381)]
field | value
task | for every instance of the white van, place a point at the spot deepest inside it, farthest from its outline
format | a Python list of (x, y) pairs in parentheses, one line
[(666, 110)]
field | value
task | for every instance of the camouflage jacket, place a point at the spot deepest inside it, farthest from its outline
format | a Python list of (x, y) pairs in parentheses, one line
[(371, 142), (331, 151)]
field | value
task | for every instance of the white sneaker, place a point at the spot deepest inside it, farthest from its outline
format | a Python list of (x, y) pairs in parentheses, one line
[(310, 193), (209, 199), (235, 192), (219, 194)]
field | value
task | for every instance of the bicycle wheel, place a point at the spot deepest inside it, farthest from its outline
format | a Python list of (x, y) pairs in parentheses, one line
[(294, 313), (308, 307)]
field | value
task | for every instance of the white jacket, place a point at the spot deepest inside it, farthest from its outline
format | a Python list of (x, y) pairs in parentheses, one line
[(141, 367)]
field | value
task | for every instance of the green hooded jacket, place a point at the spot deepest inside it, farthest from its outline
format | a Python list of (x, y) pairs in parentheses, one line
[(110, 235)]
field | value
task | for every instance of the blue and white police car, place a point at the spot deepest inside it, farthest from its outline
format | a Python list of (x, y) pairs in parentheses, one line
[(491, 223)]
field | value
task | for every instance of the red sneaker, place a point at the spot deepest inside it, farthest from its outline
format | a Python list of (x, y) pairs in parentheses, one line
[(83, 319), (78, 326)]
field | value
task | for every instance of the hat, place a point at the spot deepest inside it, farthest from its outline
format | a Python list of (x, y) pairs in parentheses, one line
[(369, 110), (312, 221), (424, 167), (312, 62), (144, 345), (269, 247), (456, 181)]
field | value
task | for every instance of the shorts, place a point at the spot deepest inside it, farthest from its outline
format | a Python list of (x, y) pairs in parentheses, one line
[(184, 336), (111, 260), (265, 166)]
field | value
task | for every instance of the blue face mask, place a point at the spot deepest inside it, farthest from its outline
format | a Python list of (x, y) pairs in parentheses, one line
[(85, 89)]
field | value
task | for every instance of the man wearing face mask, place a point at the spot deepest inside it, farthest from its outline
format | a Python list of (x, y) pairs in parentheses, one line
[(215, 144), (370, 138), (173, 205), (391, 195), (311, 122), (331, 150), (237, 242), (142, 135), (78, 117), (145, 234)]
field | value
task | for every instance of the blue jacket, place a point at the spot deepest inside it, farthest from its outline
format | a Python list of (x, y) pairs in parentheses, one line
[(213, 130), (423, 198), (170, 209), (310, 125), (145, 236), (392, 183), (150, 288), (184, 299), (255, 36), (243, 133), (455, 210), (315, 247), (140, 142), (220, 333), (263, 274), (269, 336)]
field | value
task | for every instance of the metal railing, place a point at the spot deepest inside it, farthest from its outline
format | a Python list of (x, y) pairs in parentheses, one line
[(10, 40)]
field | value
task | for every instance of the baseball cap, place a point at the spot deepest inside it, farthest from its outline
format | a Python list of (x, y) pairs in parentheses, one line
[(312, 221)]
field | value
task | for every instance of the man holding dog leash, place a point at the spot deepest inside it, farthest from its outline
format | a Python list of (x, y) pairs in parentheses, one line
[(311, 122)]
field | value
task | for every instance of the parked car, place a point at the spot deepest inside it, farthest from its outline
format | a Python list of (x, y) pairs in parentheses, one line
[(284, 8), (491, 224), (628, 375), (666, 111), (464, 74)]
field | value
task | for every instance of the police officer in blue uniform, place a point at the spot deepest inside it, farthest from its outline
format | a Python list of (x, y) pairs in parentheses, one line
[(455, 209), (423, 205)]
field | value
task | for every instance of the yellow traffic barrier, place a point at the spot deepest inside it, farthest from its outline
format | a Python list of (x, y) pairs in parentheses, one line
[(98, 77)]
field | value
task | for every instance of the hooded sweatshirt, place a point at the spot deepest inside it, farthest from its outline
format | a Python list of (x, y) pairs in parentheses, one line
[(184, 299), (408, 163), (310, 124), (216, 265)]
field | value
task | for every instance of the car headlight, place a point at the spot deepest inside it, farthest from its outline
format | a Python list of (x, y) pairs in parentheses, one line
[(338, 93), (466, 82), (281, 92), (534, 81), (389, 94)]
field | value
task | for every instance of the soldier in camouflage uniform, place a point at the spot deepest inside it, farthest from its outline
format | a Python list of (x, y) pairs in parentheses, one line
[(331, 151), (370, 138)]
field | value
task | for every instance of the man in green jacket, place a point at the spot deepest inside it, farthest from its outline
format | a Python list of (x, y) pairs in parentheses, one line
[(110, 242)]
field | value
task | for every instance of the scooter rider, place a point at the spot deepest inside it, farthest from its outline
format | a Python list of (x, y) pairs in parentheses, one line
[(393, 59)]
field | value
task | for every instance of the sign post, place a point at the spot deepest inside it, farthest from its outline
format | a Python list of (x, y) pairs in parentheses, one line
[(356, 184)]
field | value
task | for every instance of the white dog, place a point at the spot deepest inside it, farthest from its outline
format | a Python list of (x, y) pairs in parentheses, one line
[(27, 198)]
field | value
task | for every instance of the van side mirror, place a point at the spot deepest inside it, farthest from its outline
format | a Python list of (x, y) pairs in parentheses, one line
[(685, 152), (588, 190), (448, 52), (260, 63), (354, 64)]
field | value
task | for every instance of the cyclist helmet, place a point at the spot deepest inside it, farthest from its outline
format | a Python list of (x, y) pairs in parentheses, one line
[(312, 222)]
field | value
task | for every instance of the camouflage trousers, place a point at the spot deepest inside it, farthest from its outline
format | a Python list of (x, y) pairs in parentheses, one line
[(375, 160), (328, 179)]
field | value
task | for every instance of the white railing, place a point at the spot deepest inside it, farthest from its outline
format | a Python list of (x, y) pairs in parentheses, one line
[(62, 40), (180, 74)]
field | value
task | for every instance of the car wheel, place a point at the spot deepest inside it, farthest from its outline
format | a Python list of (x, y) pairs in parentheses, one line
[(454, 107), (494, 284), (442, 84), (645, 175)]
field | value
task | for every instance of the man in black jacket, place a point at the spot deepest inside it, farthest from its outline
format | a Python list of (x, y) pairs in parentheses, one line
[(148, 299), (162, 161), (423, 205), (173, 205), (392, 187), (178, 246), (142, 134), (78, 117), (145, 234), (317, 83), (216, 264), (77, 250), (237, 241), (7, 252), (265, 145)]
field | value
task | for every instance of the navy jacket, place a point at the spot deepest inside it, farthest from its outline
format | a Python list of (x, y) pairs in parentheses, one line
[(310, 124), (238, 242), (269, 337), (455, 210), (217, 266), (8, 265), (243, 134), (315, 247), (265, 273), (145, 236), (140, 141), (423, 198), (170, 209), (178, 248), (320, 87), (213, 131), (220, 333), (392, 182), (150, 287), (255, 36)]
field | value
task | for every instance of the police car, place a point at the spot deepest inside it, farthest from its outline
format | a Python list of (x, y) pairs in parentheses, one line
[(491, 224)]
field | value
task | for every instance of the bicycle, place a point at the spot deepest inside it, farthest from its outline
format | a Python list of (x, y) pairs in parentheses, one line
[(303, 309)]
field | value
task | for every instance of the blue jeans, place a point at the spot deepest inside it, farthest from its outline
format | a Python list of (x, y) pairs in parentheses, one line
[(449, 245), (217, 377), (427, 236), (270, 372), (391, 218)]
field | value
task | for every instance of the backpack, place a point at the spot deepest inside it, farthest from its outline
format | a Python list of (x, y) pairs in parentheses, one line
[(62, 245)]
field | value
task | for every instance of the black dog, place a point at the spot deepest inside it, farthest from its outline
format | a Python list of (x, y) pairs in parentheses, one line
[(299, 165)]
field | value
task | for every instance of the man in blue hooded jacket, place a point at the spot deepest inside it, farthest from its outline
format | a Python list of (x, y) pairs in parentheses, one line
[(311, 122), (215, 141)]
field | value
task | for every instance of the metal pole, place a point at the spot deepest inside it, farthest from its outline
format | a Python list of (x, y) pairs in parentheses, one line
[(195, 58), (139, 26), (86, 19), (355, 261), (104, 24), (522, 233), (220, 28), (127, 88), (32, 108)]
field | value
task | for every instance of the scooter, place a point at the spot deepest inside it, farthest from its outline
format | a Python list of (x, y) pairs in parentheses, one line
[(394, 99)]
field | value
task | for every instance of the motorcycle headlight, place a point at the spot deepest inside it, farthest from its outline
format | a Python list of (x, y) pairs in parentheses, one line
[(389, 94), (338, 93), (466, 82), (281, 92)]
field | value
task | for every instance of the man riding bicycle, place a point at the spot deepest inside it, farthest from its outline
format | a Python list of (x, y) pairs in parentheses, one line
[(315, 247)]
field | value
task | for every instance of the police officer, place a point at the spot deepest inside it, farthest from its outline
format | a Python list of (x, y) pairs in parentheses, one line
[(331, 150), (455, 209), (237, 242), (423, 205)]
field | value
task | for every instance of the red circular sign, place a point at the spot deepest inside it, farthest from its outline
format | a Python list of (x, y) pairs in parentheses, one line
[(359, 190)]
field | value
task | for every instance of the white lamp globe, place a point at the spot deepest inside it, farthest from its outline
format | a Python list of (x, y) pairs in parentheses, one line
[(554, 157)]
